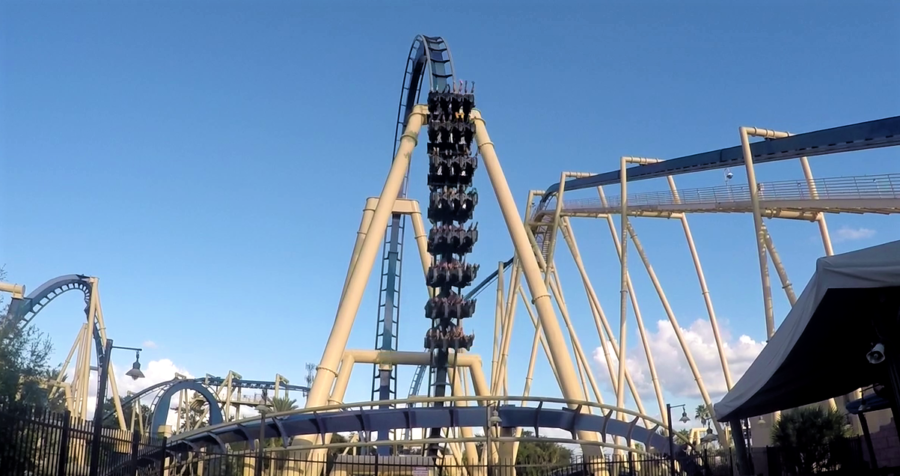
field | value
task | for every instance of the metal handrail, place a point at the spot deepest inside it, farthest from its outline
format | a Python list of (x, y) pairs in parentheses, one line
[(885, 186)]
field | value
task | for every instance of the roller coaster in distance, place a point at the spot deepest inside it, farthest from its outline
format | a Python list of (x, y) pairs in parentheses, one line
[(214, 397), (463, 395)]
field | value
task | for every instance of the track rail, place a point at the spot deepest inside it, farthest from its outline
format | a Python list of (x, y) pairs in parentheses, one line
[(431, 56), (861, 136), (22, 311)]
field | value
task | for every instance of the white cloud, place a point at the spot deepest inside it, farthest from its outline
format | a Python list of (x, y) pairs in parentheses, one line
[(845, 233), (149, 344), (672, 369)]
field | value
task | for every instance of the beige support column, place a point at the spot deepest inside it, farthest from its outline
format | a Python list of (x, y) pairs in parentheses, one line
[(758, 225), (101, 325), (421, 237), (704, 290), (600, 321), (820, 217), (779, 267), (499, 380), (498, 319), (538, 290), (638, 317), (346, 314), (368, 213), (556, 289), (537, 328), (623, 286), (471, 452), (677, 328)]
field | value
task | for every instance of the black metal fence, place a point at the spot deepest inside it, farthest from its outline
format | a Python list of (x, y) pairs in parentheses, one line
[(38, 442), (297, 463)]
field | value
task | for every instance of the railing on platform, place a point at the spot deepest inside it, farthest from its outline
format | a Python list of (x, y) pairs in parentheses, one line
[(885, 186)]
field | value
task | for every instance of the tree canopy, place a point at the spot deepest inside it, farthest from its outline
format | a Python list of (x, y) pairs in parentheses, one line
[(24, 363), (24, 372), (806, 436)]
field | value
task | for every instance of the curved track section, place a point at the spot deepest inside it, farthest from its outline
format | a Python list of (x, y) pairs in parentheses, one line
[(511, 416), (429, 55), (161, 407), (22, 311), (169, 388), (346, 418)]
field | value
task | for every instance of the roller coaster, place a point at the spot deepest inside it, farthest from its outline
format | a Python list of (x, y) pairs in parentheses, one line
[(461, 395), (214, 397)]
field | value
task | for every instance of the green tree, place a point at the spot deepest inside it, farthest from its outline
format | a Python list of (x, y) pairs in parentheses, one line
[(534, 457), (24, 371), (703, 414), (284, 404), (805, 435)]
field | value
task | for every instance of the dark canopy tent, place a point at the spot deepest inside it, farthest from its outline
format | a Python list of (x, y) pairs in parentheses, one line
[(819, 351)]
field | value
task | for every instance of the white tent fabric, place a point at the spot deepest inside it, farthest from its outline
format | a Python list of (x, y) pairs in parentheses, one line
[(875, 267)]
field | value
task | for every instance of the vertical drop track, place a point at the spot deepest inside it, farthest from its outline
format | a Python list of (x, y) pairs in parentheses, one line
[(451, 204), (429, 55)]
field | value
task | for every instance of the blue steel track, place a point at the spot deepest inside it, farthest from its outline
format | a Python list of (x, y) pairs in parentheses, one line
[(429, 55)]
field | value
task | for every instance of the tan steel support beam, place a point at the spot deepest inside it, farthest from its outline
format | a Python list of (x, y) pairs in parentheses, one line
[(688, 354), (704, 290), (539, 294), (600, 321), (745, 133), (349, 305)]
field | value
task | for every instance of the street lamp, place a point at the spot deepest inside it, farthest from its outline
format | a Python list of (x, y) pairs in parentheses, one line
[(710, 436), (684, 419), (103, 362), (263, 409), (135, 372), (492, 422)]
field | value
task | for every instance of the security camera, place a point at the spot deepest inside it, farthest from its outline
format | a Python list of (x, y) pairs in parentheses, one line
[(876, 355), (729, 175)]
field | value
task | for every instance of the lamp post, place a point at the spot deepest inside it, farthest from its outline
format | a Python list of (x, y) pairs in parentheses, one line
[(103, 362), (684, 419), (263, 409), (493, 420)]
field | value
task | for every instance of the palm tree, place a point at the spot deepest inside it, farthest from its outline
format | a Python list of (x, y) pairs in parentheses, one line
[(703, 414), (283, 404)]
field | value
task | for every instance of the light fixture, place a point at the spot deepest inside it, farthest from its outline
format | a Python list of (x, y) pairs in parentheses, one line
[(684, 417), (709, 436), (494, 420), (135, 372), (262, 408), (876, 355), (761, 421)]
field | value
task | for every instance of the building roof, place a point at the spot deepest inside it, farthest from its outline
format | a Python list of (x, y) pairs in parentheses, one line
[(819, 351)]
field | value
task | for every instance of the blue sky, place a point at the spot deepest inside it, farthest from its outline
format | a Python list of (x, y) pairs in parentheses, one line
[(209, 161)]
